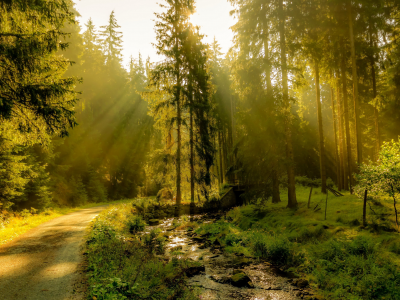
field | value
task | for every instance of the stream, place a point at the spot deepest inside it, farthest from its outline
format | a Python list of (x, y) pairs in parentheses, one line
[(267, 281)]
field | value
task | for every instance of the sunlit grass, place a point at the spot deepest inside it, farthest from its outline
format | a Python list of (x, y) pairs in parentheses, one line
[(338, 256), (20, 224)]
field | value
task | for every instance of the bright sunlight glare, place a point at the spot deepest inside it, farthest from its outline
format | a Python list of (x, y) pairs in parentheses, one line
[(136, 18)]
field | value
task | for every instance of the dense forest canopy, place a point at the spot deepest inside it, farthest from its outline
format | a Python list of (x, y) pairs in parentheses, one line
[(308, 89)]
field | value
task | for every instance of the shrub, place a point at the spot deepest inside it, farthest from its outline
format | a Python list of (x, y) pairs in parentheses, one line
[(135, 224)]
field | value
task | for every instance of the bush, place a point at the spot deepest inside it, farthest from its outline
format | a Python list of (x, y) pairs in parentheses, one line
[(135, 224), (127, 268)]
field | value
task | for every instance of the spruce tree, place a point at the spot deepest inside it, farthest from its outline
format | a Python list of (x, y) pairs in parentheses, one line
[(171, 30), (111, 39), (33, 91)]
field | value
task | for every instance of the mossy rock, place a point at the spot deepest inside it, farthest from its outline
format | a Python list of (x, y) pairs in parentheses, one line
[(241, 280), (193, 271), (154, 222)]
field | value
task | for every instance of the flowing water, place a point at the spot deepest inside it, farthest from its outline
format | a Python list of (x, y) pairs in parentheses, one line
[(268, 282)]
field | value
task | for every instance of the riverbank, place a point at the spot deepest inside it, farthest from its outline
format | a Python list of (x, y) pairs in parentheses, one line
[(312, 258)]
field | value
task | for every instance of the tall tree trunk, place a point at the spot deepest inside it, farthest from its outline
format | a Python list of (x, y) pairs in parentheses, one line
[(224, 154), (355, 87), (374, 95), (336, 139), (191, 153), (292, 201), (221, 167), (346, 118), (178, 152), (321, 131), (342, 138), (276, 196)]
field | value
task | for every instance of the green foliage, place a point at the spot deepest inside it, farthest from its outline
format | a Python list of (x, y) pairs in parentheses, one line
[(135, 224), (356, 267), (305, 181), (124, 267), (274, 249), (382, 177), (33, 91)]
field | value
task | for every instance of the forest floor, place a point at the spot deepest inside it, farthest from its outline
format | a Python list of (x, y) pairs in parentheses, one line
[(274, 252), (46, 262)]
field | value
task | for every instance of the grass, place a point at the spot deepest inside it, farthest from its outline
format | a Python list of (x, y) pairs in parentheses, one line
[(26, 220), (340, 258), (124, 263)]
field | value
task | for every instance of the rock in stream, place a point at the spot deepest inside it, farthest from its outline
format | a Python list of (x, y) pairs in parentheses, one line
[(227, 276)]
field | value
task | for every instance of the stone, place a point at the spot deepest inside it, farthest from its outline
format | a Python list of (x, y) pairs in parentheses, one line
[(193, 271), (221, 279), (235, 271), (198, 239), (154, 222), (216, 243), (301, 283), (240, 280)]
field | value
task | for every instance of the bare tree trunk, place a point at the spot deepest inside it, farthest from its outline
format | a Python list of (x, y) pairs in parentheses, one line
[(355, 88), (221, 167), (346, 119), (224, 155), (309, 198), (342, 148), (292, 201), (179, 124), (178, 152), (336, 139), (321, 131), (374, 95), (395, 207), (365, 209), (191, 154), (276, 197)]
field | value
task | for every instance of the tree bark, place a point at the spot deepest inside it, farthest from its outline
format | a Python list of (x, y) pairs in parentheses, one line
[(320, 131), (346, 118), (374, 95), (224, 155), (309, 198), (336, 139), (179, 121), (292, 201), (355, 87), (276, 197), (191, 153), (342, 148), (365, 209), (221, 167)]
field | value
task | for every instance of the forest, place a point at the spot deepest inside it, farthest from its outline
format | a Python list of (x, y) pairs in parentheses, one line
[(303, 109)]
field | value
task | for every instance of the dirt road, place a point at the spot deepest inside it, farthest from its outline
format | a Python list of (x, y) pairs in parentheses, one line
[(44, 263)]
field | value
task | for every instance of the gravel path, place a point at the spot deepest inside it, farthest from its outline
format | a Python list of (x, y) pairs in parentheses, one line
[(46, 262)]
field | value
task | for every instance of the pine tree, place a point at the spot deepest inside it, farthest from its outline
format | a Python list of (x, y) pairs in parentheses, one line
[(112, 39), (171, 30), (33, 91)]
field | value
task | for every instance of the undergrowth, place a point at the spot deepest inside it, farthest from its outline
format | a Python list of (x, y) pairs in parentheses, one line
[(126, 263), (341, 259)]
